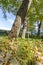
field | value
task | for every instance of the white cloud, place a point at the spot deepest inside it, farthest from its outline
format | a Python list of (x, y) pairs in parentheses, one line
[(6, 24), (4, 28), (11, 21)]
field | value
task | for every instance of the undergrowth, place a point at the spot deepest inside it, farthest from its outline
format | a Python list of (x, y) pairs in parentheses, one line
[(24, 49)]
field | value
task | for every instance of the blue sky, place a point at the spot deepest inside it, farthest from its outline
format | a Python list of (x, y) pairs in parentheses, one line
[(6, 24)]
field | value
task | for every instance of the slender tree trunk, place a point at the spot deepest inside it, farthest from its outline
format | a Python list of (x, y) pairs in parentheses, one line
[(21, 14), (25, 23), (24, 29), (39, 26)]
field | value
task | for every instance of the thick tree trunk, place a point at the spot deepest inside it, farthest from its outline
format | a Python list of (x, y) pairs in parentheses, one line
[(21, 14), (15, 28), (39, 26), (24, 29)]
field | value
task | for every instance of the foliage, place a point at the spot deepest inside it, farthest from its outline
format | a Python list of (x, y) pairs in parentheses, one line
[(35, 13), (10, 6)]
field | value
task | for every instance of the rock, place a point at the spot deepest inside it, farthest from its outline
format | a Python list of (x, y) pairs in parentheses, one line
[(1, 63), (38, 63), (14, 62), (8, 56), (2, 54), (1, 59)]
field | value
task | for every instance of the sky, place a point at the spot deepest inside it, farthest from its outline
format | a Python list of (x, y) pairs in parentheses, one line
[(6, 24)]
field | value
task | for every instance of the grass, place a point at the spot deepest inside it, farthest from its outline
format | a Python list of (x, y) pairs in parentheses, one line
[(24, 49)]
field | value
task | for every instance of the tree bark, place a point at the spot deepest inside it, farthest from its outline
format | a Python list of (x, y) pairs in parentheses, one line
[(39, 26), (24, 29), (15, 28), (21, 14)]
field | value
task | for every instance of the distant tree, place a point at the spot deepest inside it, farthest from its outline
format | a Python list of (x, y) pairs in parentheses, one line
[(35, 14)]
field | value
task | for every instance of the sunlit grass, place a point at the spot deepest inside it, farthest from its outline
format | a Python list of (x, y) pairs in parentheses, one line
[(24, 49)]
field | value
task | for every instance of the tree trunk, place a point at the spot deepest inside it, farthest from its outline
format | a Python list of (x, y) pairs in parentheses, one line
[(24, 29), (21, 14), (15, 28), (39, 26)]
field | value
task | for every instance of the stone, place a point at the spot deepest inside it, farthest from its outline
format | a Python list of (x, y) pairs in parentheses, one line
[(14, 61), (38, 63)]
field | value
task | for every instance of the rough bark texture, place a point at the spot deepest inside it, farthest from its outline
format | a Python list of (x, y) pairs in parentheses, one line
[(15, 28), (39, 26), (24, 29), (21, 14)]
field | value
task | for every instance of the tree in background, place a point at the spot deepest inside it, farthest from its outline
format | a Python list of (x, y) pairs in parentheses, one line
[(35, 14)]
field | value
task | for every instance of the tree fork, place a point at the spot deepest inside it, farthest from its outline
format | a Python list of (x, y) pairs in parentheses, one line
[(21, 14)]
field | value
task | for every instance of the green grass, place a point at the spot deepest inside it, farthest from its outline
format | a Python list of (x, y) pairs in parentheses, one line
[(24, 49)]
